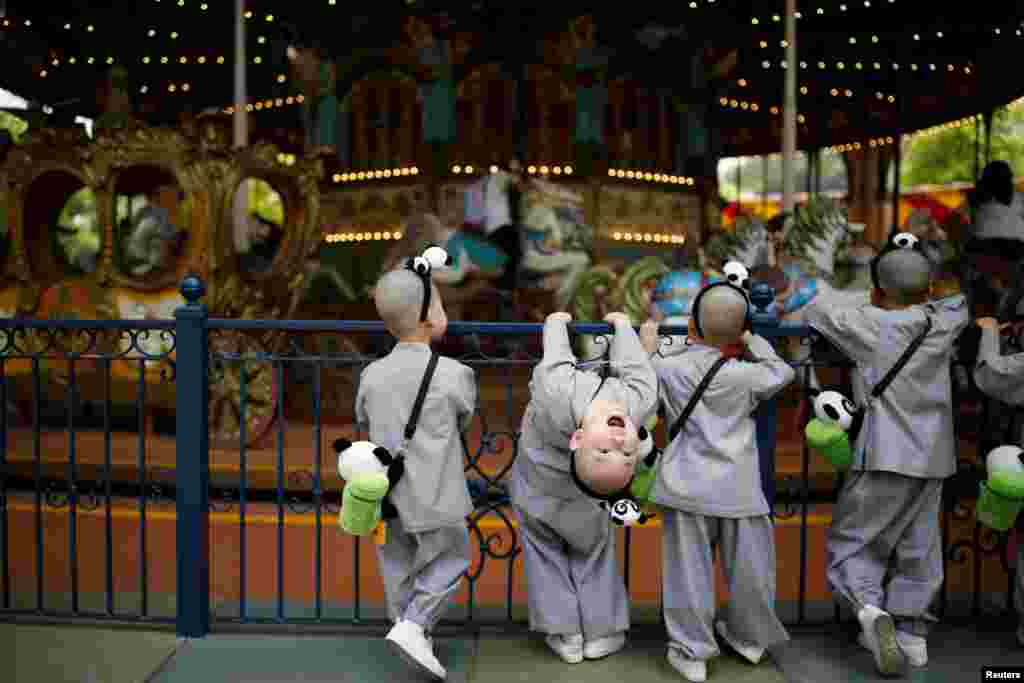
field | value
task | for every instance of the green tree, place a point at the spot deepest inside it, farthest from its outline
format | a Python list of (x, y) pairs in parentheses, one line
[(756, 174), (948, 156)]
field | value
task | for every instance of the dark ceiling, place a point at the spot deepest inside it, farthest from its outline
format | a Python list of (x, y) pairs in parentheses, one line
[(870, 67)]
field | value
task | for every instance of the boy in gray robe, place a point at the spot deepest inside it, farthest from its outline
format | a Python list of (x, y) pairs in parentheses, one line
[(1002, 378), (426, 550), (576, 595), (886, 520), (709, 484)]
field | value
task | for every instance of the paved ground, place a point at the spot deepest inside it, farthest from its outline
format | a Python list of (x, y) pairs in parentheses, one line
[(79, 654)]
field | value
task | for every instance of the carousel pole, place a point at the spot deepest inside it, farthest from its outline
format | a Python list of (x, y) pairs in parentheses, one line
[(764, 183), (897, 169), (788, 124), (977, 149), (789, 110), (739, 184), (241, 128), (989, 118)]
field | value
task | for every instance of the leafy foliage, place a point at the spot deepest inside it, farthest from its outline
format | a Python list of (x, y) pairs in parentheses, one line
[(949, 155)]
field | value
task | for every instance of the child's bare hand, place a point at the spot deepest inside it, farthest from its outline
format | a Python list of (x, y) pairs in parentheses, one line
[(560, 316), (649, 336), (618, 318), (990, 324)]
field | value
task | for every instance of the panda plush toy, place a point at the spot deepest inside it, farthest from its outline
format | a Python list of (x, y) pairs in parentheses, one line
[(627, 507), (370, 472), (736, 273), (432, 258), (837, 422), (905, 240)]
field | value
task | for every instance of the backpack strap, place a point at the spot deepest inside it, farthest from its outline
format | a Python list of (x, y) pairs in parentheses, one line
[(701, 388), (410, 428), (902, 360)]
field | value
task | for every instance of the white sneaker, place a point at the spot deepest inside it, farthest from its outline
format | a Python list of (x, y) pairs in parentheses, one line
[(914, 647), (568, 647), (880, 638), (409, 641), (694, 670), (604, 646), (751, 653)]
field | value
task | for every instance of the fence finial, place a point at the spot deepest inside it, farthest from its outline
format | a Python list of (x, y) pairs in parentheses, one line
[(192, 288)]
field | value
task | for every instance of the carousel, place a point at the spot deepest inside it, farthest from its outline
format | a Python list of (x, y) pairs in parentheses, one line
[(574, 176)]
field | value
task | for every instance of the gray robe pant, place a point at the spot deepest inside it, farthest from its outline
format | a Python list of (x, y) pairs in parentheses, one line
[(746, 547), (421, 571), (888, 524), (572, 590)]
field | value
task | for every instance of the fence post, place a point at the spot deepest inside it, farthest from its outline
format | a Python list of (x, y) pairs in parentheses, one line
[(192, 462), (762, 296)]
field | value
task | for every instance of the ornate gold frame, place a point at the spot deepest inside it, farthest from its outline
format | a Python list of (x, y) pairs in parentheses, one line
[(200, 159)]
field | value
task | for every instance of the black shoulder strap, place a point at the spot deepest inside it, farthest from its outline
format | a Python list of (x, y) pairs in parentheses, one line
[(701, 388), (902, 360), (410, 428)]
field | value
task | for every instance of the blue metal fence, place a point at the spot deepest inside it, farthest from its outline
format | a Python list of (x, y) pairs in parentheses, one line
[(194, 347)]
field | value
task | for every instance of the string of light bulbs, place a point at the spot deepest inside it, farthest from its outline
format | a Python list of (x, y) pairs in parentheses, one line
[(924, 132), (647, 237), (841, 65)]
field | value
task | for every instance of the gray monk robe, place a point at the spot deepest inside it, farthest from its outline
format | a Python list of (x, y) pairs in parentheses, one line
[(709, 481), (887, 515), (427, 547), (1002, 378), (568, 541)]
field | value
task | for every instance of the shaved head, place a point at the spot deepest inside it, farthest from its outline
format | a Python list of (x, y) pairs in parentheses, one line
[(399, 298), (722, 315), (904, 274)]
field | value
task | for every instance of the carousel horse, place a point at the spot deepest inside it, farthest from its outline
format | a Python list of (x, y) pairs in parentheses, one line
[(547, 253), (798, 261), (477, 264)]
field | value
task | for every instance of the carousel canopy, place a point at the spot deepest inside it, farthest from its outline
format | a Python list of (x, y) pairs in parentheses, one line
[(868, 69)]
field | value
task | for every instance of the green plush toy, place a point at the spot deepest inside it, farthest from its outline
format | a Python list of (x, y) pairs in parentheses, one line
[(370, 472), (831, 441), (836, 423), (1002, 497)]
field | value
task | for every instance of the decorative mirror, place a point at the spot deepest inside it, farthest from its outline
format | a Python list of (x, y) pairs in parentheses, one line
[(63, 236), (258, 217), (152, 219)]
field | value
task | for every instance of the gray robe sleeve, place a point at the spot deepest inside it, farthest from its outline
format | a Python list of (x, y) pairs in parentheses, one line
[(465, 397), (770, 374), (854, 331), (362, 417), (555, 381), (998, 376), (632, 366)]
